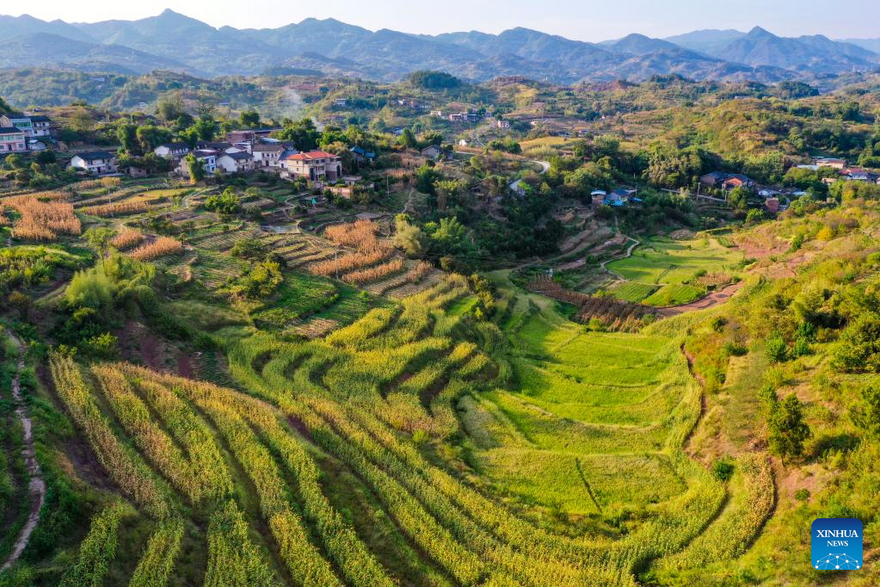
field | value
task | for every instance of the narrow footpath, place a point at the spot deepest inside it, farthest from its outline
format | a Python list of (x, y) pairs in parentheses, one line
[(36, 485)]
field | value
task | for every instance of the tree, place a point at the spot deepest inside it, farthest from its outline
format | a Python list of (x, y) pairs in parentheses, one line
[(867, 415), (407, 139), (788, 430), (226, 203), (433, 80), (127, 136), (170, 107), (302, 133), (262, 280), (777, 348), (408, 236), (195, 167), (447, 193), (671, 167), (46, 157), (426, 177), (739, 199), (150, 136), (858, 350), (99, 239), (450, 237), (81, 121), (206, 128), (249, 119)]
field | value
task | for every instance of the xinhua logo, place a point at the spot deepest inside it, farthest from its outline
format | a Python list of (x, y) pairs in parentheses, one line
[(837, 544)]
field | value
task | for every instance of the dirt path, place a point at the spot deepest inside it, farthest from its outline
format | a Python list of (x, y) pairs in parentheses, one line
[(545, 167), (713, 299), (627, 255), (37, 485)]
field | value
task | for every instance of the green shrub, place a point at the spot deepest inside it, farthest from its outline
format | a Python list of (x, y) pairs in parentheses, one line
[(777, 349), (723, 469)]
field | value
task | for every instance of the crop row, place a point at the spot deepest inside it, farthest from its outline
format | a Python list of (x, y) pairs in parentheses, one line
[(157, 563), (233, 559), (203, 474), (42, 220), (97, 550), (350, 262), (124, 466), (164, 245), (117, 209), (376, 273), (340, 541)]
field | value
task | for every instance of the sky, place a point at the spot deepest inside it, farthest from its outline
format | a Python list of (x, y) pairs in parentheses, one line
[(586, 20)]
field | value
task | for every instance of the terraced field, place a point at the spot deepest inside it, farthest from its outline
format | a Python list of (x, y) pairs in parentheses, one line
[(320, 474), (596, 415), (666, 272)]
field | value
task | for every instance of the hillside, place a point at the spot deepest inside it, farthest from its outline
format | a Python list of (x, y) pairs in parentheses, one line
[(52, 50)]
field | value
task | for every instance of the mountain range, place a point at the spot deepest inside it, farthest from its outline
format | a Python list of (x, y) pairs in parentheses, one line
[(172, 41)]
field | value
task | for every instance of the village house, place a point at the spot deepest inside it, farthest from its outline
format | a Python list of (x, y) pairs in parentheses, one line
[(172, 151), (219, 146), (34, 126), (713, 179), (12, 140), (726, 181), (469, 116), (437, 113), (502, 124), (249, 136), (135, 172), (856, 174), (241, 162), (621, 197), (736, 180), (271, 154), (95, 162), (598, 198), (829, 162), (207, 157), (314, 165), (361, 155), (772, 205)]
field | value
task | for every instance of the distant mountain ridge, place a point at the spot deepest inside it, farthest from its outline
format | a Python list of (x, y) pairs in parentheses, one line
[(174, 41)]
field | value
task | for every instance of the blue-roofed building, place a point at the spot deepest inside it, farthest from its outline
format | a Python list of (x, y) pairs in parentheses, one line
[(362, 155)]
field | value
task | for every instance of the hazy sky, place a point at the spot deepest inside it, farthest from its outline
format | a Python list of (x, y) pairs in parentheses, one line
[(588, 20)]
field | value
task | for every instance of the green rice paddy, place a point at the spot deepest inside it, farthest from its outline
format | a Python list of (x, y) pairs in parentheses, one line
[(665, 272)]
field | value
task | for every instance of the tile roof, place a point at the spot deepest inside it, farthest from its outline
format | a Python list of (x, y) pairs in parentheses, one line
[(312, 155), (93, 155)]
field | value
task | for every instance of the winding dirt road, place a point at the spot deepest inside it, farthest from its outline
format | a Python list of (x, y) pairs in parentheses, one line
[(37, 485)]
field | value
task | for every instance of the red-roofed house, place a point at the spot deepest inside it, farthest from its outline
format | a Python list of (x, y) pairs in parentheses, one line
[(314, 165)]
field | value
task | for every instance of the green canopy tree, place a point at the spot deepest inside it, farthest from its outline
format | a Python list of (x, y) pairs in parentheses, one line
[(788, 429), (195, 167)]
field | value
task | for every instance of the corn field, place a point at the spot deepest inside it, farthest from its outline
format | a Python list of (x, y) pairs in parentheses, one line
[(42, 221), (164, 245)]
